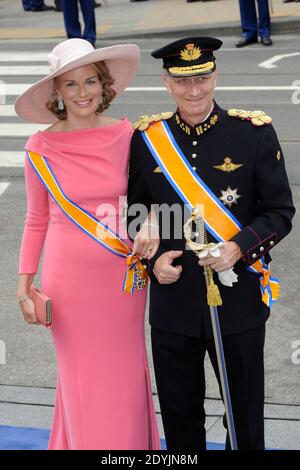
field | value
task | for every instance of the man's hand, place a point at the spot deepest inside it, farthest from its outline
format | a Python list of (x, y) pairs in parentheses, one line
[(163, 269), (230, 253)]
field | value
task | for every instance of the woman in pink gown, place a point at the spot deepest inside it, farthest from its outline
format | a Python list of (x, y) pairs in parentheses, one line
[(103, 396)]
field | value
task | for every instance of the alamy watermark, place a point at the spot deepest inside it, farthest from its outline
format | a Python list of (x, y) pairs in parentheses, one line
[(123, 220), (296, 93), (296, 353), (2, 353)]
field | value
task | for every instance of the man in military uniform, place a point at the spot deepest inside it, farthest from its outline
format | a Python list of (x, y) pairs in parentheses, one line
[(232, 163)]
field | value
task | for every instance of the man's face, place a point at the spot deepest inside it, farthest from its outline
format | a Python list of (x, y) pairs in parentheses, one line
[(193, 95)]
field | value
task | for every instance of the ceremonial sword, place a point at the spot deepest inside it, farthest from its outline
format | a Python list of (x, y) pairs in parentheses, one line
[(213, 300)]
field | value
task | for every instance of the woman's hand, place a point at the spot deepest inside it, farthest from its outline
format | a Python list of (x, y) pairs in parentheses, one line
[(27, 307), (147, 240)]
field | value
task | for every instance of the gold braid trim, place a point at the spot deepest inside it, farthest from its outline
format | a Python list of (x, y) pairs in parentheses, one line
[(257, 118), (144, 122), (192, 68)]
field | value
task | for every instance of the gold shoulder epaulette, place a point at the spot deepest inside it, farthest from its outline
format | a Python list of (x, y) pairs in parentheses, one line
[(144, 122), (257, 118)]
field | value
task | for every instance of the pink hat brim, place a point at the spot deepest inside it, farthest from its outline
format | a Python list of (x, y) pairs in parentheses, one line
[(121, 60)]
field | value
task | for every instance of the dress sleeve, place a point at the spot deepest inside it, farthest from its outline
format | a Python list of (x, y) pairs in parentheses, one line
[(138, 192), (36, 222)]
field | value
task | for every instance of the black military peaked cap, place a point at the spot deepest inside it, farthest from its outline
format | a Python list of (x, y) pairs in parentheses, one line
[(189, 56)]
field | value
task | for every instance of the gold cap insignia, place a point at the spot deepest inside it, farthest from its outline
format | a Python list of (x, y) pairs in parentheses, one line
[(144, 122), (278, 156), (257, 118), (228, 166), (191, 52)]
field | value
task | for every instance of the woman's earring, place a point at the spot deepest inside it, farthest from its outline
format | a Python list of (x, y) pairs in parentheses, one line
[(60, 104)]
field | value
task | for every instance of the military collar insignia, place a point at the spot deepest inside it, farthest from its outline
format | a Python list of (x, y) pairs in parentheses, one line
[(229, 196), (144, 122), (190, 52), (200, 129), (278, 156), (228, 166), (257, 118)]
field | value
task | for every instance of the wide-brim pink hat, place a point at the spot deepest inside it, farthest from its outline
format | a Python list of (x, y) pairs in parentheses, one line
[(121, 60)]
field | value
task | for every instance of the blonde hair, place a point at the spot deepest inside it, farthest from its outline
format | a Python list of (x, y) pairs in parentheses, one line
[(108, 93)]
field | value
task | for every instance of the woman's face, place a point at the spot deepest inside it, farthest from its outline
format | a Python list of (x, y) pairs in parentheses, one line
[(81, 91)]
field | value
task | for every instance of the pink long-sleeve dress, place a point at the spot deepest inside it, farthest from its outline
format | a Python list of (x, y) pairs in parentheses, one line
[(103, 395)]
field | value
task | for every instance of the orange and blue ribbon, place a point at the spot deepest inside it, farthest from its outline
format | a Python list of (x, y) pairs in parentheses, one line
[(90, 225), (193, 191)]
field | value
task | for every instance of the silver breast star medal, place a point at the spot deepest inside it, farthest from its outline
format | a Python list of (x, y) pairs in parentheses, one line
[(230, 196)]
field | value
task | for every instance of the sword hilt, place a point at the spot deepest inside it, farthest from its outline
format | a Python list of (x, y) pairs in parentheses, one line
[(213, 294)]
